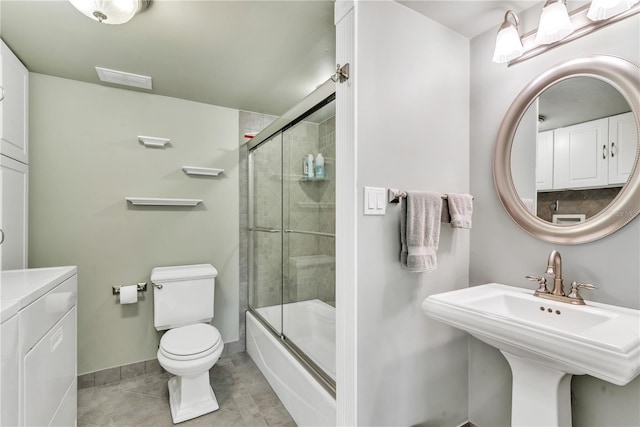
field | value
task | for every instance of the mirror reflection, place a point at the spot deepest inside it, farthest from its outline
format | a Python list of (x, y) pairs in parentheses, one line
[(574, 150)]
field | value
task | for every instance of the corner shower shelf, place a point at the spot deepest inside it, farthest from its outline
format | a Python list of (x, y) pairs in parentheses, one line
[(194, 170), (152, 201), (152, 141), (316, 205), (278, 177)]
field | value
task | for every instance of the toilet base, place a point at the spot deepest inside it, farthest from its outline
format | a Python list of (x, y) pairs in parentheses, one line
[(191, 397)]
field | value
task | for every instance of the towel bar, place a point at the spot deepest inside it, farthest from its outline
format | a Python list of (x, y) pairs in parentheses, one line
[(394, 195)]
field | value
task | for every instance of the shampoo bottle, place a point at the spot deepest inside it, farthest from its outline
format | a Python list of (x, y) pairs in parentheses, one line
[(319, 166), (308, 166)]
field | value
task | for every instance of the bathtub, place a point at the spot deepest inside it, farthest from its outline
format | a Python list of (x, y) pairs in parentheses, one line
[(311, 326)]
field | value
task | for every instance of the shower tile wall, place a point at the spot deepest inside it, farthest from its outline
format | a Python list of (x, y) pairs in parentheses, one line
[(309, 206)]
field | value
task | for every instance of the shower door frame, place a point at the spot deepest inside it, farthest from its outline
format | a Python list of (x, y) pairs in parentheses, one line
[(322, 96)]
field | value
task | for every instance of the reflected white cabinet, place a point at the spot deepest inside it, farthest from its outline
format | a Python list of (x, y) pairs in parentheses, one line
[(594, 154), (14, 187), (544, 161), (14, 80), (623, 143), (581, 155)]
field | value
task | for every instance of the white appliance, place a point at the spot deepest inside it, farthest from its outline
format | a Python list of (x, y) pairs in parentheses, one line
[(39, 307)]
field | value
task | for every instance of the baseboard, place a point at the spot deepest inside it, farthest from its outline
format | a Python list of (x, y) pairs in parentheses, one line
[(117, 373)]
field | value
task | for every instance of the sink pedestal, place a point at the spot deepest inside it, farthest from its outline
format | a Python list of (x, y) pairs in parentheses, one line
[(541, 395)]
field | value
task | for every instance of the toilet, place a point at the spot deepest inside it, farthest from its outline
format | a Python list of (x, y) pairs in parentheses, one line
[(183, 299)]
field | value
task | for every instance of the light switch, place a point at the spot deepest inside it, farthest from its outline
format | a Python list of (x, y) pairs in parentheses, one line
[(374, 201)]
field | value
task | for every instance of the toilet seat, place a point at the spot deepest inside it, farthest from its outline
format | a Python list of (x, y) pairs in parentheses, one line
[(190, 342)]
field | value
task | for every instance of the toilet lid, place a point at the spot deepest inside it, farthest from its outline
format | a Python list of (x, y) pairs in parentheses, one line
[(191, 339)]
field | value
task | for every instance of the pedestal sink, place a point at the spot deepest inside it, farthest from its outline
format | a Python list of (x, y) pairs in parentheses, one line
[(545, 343)]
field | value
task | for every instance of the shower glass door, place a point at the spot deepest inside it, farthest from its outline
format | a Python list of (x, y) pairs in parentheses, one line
[(292, 238), (265, 221), (309, 238)]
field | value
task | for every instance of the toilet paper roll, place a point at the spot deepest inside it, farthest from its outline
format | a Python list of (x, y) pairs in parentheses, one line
[(129, 294)]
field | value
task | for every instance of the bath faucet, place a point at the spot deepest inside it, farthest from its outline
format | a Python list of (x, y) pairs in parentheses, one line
[(554, 270)]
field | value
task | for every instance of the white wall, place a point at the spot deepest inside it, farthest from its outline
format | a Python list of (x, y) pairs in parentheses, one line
[(502, 252), (85, 159), (412, 80)]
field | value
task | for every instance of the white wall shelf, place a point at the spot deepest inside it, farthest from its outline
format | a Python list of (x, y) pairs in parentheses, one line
[(151, 201), (194, 170), (154, 142)]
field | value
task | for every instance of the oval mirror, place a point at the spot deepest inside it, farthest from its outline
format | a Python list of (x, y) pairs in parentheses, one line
[(566, 159)]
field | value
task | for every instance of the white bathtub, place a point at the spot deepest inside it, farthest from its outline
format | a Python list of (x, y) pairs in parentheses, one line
[(311, 326)]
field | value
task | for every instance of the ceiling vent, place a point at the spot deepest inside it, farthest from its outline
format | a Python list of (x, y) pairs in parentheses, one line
[(122, 78)]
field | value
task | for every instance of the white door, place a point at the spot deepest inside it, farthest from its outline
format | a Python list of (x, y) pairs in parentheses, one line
[(623, 140), (14, 80), (13, 214), (581, 155), (544, 161)]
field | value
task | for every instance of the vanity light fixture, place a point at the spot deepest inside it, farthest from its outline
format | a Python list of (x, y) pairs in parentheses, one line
[(558, 27), (110, 11), (605, 9), (508, 42), (554, 22)]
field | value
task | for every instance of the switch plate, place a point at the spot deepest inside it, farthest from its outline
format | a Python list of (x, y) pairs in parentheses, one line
[(375, 202)]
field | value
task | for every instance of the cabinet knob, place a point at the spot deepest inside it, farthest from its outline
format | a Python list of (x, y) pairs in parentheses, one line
[(1, 93), (613, 149), (604, 151), (1, 236)]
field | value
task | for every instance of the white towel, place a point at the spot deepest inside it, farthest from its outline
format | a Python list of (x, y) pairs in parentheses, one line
[(420, 231), (461, 209)]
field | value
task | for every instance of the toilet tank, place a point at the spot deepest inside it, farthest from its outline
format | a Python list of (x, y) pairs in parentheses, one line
[(183, 295)]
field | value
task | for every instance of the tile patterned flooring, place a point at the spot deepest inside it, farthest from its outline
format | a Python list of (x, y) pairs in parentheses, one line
[(245, 399)]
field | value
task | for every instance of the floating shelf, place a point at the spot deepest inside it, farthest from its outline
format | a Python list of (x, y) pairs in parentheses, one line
[(313, 179), (194, 170), (152, 201), (152, 141), (316, 205)]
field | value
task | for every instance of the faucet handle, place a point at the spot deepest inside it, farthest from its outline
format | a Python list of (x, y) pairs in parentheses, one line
[(542, 281), (575, 286)]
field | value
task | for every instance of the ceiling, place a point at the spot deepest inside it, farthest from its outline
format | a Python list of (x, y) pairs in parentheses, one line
[(579, 100), (261, 56), (467, 17)]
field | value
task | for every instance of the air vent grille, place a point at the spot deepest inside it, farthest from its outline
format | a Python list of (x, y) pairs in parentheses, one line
[(122, 78)]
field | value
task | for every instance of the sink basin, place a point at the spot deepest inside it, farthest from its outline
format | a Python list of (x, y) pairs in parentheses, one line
[(545, 342)]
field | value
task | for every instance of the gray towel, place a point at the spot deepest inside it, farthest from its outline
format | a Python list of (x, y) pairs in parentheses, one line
[(460, 209), (420, 231)]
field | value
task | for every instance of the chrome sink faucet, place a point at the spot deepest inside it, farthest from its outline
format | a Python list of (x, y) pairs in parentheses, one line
[(554, 270)]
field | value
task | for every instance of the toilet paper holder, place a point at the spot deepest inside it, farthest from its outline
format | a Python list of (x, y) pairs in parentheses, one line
[(142, 287)]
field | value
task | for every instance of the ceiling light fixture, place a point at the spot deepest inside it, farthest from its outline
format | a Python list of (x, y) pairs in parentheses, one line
[(605, 9), (554, 22), (508, 42), (110, 11)]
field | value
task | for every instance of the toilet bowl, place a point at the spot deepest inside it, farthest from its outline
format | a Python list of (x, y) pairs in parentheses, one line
[(188, 352), (183, 307)]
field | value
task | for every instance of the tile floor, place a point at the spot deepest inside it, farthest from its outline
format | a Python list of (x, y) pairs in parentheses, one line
[(245, 399)]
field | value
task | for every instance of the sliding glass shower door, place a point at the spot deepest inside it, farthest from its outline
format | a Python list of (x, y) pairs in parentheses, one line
[(292, 236), (265, 245)]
